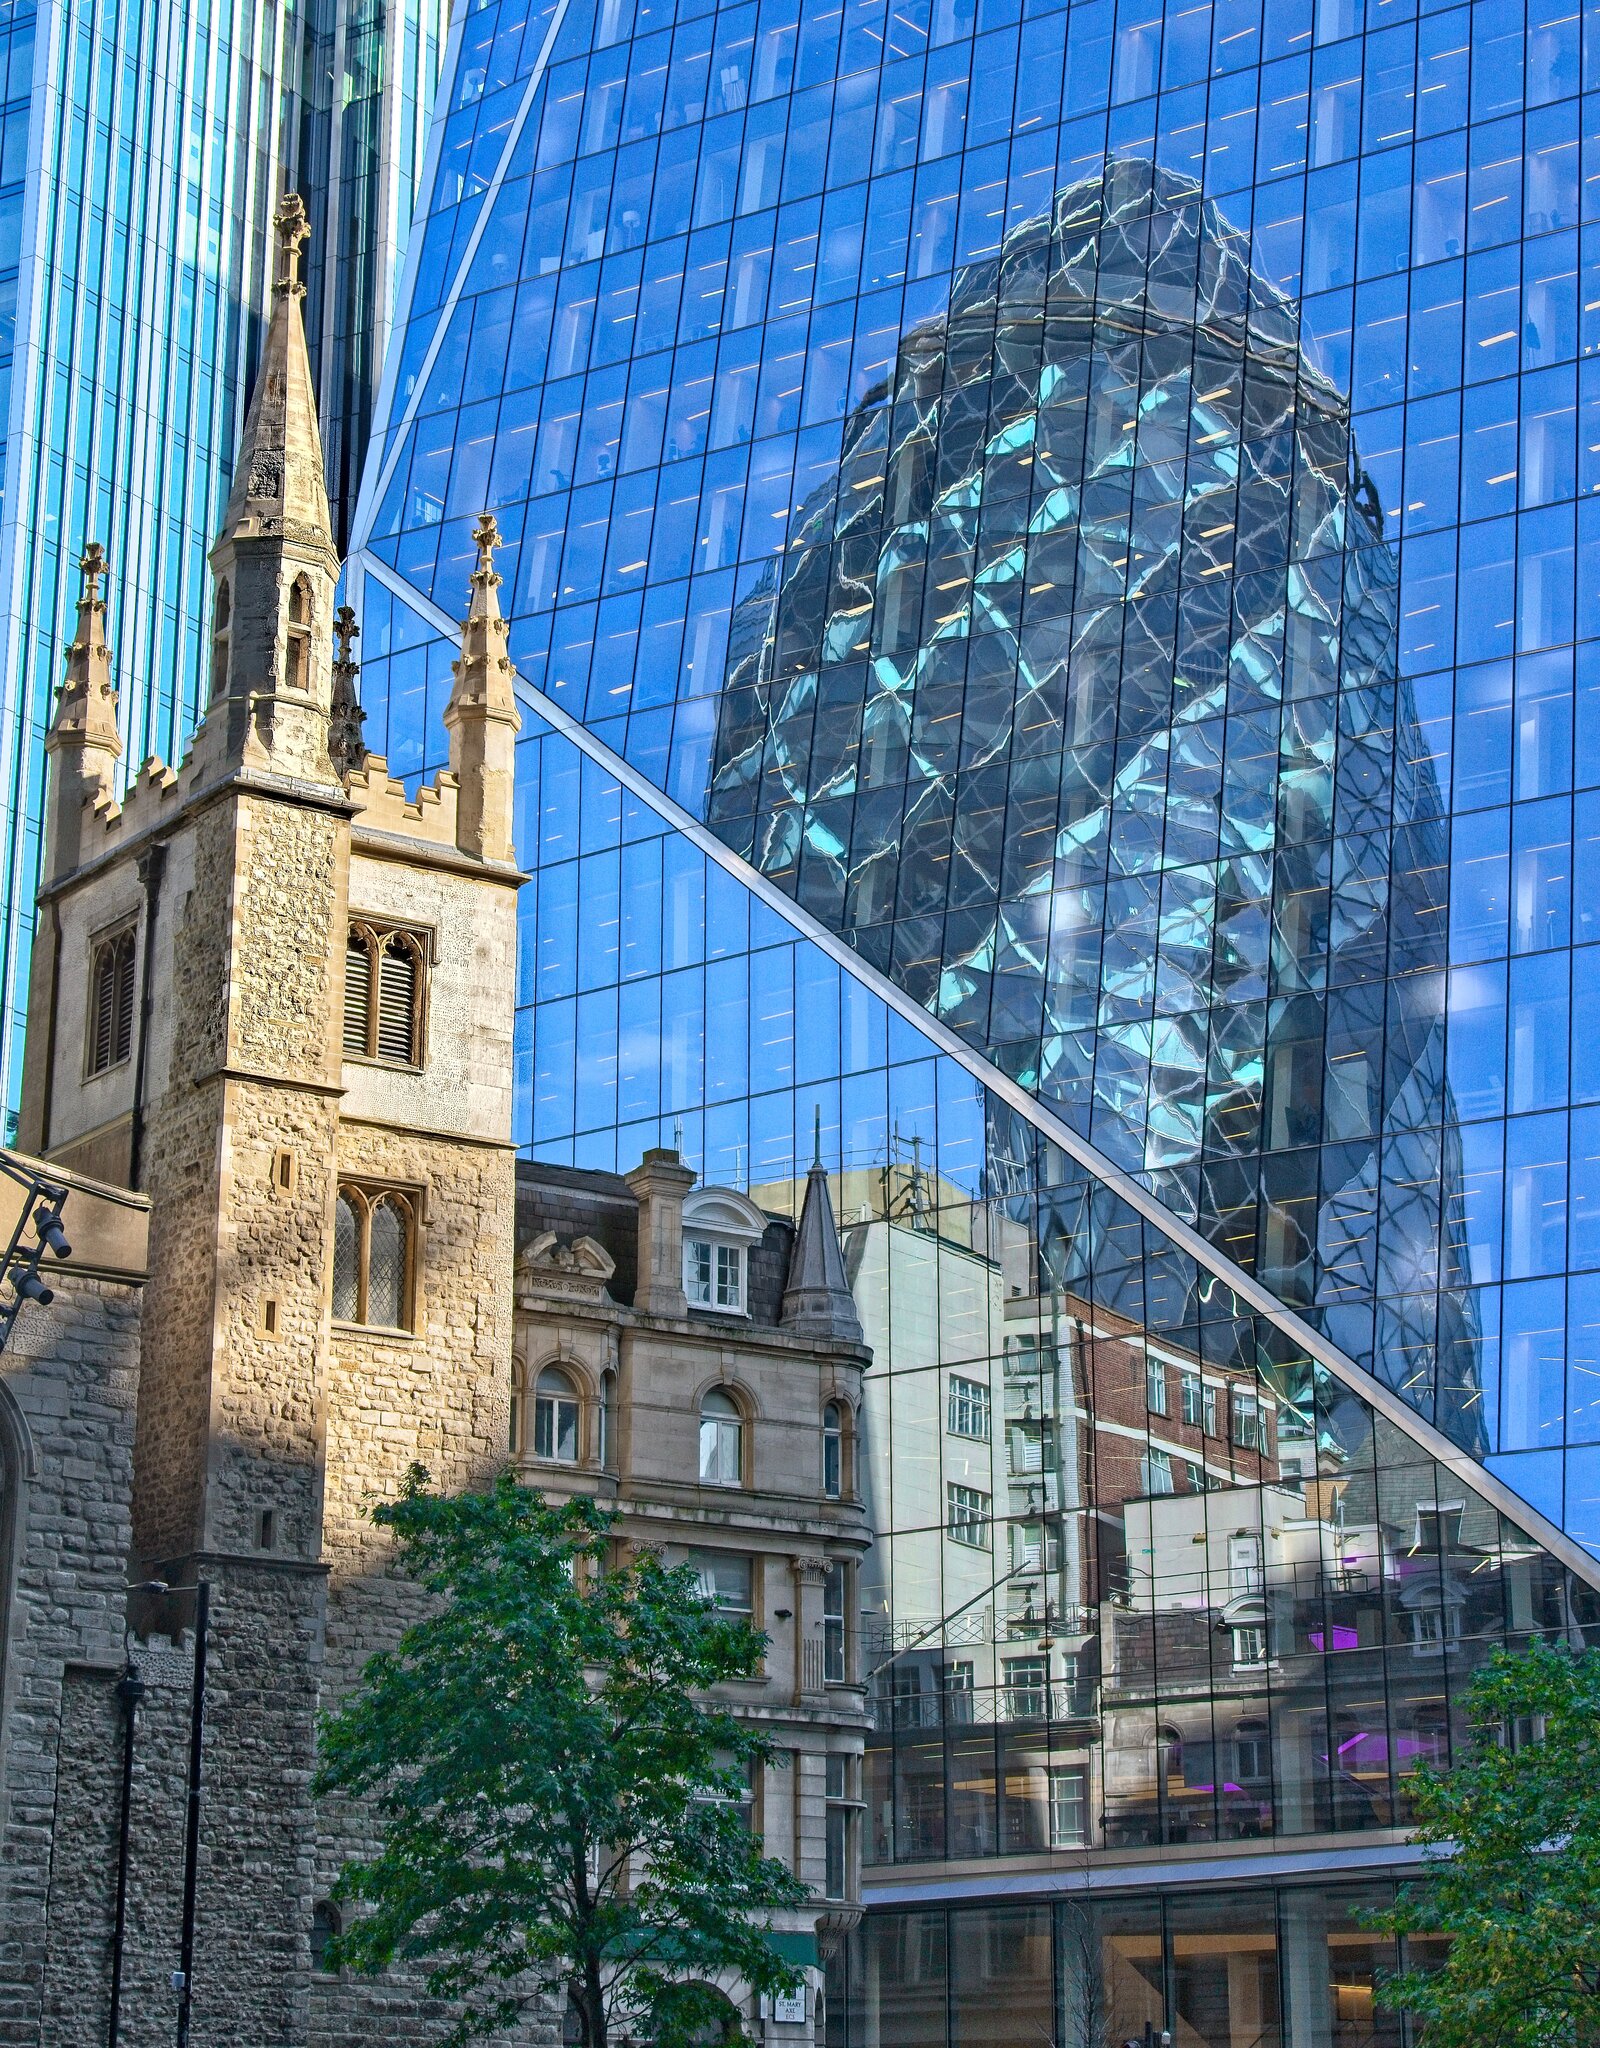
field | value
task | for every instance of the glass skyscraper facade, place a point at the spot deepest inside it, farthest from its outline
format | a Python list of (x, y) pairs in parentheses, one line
[(143, 150), (1050, 558)]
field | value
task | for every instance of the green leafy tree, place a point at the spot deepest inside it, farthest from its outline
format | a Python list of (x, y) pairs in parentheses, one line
[(1516, 1883), (557, 1797)]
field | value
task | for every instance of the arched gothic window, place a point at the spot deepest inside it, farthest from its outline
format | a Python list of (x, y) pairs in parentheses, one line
[(721, 1440), (384, 991), (325, 1930), (111, 1001), (219, 642), (555, 1417), (374, 1258), (298, 675)]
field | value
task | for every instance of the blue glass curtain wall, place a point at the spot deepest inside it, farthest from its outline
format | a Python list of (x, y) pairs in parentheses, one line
[(1095, 503)]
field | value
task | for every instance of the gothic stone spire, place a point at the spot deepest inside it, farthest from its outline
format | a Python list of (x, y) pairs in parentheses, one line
[(278, 482), (817, 1301), (274, 559), (83, 742), (482, 716)]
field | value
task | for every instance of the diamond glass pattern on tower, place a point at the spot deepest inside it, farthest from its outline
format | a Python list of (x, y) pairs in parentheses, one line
[(1051, 567)]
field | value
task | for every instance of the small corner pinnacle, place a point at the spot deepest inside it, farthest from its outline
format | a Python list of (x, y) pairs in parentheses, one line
[(293, 232), (486, 534), (92, 565)]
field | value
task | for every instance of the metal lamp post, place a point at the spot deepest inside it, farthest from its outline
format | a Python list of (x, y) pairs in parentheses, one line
[(42, 1203)]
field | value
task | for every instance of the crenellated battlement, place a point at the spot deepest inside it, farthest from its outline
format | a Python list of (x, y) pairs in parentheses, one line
[(383, 806), (153, 792)]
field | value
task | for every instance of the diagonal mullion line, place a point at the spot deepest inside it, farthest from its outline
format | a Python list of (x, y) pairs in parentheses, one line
[(373, 489), (1259, 1299)]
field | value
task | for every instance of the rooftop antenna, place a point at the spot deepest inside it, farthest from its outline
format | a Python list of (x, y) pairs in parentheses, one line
[(677, 1134)]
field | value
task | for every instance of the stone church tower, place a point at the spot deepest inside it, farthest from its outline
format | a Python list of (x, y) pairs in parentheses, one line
[(276, 997)]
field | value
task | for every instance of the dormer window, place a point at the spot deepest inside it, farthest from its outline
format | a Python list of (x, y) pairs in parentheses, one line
[(720, 1230), (713, 1275)]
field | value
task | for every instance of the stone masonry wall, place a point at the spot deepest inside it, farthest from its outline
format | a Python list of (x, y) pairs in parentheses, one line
[(68, 1383), (438, 1397)]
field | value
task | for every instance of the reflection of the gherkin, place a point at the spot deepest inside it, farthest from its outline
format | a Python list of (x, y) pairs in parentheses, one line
[(1072, 704)]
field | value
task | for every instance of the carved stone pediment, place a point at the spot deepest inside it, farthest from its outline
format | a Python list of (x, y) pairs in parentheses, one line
[(578, 1271)]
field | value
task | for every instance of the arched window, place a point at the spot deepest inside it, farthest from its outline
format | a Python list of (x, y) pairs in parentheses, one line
[(299, 647), (1169, 1759), (325, 1931), (721, 1440), (374, 1251), (111, 1001), (387, 1260), (555, 1417), (346, 1261), (384, 985), (399, 982), (833, 1451), (519, 1396), (608, 1421), (219, 642)]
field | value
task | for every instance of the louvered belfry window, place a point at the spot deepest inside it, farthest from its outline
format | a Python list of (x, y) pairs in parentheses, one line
[(111, 1001), (397, 1000), (383, 994)]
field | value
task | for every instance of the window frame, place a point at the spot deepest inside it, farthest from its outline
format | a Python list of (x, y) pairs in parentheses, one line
[(969, 1403), (702, 1555), (1060, 1776), (720, 1255), (327, 1924), (963, 1514), (1247, 1637), (842, 1806), (364, 1198), (836, 1440), (373, 936), (738, 1421), (118, 946), (548, 1399), (836, 1623), (1247, 1420)]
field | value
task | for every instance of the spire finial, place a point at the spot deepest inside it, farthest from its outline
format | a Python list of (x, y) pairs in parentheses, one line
[(293, 232), (92, 564), (487, 536), (345, 715), (816, 1134)]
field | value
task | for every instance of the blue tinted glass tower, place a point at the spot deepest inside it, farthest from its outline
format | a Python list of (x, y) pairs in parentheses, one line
[(143, 150), (1051, 564)]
